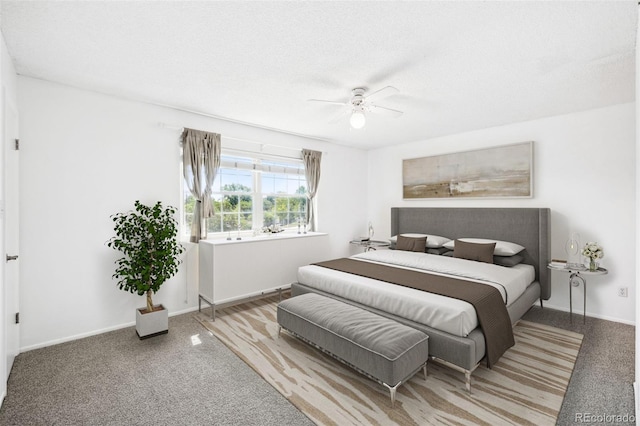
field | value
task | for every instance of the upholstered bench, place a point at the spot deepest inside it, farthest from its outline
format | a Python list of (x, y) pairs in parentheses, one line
[(382, 349)]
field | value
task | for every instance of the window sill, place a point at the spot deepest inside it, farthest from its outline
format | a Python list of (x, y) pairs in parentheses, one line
[(262, 237)]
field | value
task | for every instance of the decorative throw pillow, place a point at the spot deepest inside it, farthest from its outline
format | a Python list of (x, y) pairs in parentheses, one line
[(503, 248), (411, 243), (474, 251), (433, 241)]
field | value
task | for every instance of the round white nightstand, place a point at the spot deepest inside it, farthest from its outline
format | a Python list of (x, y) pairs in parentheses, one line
[(369, 244), (577, 276)]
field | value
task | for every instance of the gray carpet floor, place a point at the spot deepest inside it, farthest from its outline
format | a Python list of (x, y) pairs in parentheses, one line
[(188, 377), (602, 380), (185, 377)]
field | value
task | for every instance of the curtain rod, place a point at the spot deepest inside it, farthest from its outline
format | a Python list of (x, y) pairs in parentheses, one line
[(265, 154), (262, 145)]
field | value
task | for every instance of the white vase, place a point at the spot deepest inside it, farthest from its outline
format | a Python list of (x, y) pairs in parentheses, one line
[(149, 324)]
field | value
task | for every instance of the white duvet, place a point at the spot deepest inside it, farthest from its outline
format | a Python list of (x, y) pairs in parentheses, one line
[(443, 313)]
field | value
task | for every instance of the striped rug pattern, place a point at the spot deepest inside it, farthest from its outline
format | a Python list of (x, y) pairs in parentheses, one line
[(526, 386)]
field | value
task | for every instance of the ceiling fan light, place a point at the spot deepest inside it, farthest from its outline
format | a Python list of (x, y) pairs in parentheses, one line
[(357, 120)]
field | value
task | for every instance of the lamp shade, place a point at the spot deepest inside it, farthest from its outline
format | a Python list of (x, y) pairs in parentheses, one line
[(357, 120)]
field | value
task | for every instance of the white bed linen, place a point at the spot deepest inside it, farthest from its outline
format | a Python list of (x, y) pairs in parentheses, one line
[(443, 313)]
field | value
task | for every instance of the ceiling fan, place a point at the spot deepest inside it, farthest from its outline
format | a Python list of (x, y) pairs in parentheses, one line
[(361, 104)]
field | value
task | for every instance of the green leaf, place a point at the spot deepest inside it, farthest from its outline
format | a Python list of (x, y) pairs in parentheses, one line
[(148, 240)]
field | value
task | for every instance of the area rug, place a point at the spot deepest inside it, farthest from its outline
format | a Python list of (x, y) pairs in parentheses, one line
[(525, 387)]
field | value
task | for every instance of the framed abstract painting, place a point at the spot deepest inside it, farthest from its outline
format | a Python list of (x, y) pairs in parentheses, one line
[(502, 171)]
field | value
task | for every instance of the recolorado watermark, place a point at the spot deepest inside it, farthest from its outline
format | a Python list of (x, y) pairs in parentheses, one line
[(604, 418)]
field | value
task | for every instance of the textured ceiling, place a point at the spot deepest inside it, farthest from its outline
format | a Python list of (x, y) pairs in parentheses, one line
[(459, 66)]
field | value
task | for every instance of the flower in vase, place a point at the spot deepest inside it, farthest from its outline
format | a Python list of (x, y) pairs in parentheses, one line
[(593, 251)]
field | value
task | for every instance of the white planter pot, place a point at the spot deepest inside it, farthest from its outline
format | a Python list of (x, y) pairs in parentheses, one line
[(152, 323)]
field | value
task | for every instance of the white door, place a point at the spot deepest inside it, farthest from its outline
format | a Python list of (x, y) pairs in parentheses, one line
[(10, 224)]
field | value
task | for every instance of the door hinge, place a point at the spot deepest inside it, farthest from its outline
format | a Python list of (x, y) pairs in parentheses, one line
[(17, 317), (17, 144)]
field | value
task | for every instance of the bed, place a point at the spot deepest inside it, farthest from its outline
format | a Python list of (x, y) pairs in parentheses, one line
[(455, 338)]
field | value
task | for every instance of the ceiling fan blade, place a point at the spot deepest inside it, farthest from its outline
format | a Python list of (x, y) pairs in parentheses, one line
[(338, 115), (328, 102), (382, 93), (385, 111)]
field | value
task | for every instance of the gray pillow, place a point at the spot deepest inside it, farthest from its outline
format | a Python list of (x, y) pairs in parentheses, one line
[(439, 250), (474, 251), (433, 241), (508, 260), (411, 243), (503, 248)]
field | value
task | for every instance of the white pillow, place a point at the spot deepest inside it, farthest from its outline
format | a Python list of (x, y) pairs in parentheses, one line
[(503, 248), (433, 241)]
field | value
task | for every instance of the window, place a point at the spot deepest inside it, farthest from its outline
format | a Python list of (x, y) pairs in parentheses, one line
[(250, 193)]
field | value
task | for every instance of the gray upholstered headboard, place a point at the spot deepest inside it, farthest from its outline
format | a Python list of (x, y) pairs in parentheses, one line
[(529, 227)]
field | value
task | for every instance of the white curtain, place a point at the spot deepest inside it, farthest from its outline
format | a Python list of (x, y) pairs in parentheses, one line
[(312, 161), (201, 162)]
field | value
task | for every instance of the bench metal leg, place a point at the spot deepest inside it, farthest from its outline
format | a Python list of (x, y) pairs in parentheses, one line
[(392, 392)]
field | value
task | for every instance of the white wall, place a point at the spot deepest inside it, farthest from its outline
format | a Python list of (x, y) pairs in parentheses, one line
[(86, 156), (636, 385), (584, 171), (9, 85)]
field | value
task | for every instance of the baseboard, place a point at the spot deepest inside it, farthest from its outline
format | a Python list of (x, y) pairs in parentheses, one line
[(589, 314), (96, 332), (635, 395), (183, 311)]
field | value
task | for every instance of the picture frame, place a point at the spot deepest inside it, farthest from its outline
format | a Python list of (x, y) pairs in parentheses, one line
[(504, 171)]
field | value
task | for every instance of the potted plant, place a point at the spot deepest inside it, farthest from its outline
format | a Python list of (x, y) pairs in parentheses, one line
[(148, 239)]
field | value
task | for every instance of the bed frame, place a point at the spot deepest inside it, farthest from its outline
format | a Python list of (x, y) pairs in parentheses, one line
[(529, 227)]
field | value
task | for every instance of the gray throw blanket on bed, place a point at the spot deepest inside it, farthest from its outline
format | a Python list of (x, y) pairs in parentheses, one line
[(487, 301)]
